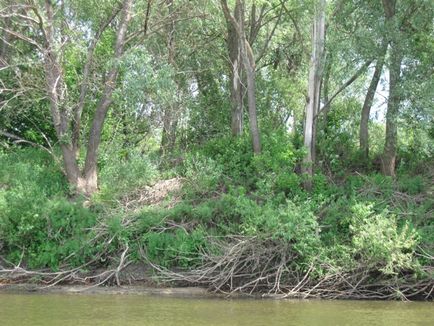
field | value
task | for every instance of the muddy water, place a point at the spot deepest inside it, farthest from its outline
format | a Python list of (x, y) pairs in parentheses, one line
[(83, 309)]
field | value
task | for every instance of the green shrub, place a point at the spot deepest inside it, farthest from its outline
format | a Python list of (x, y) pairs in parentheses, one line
[(38, 224), (202, 173), (412, 185), (380, 243), (240, 167), (290, 223), (180, 248), (119, 175)]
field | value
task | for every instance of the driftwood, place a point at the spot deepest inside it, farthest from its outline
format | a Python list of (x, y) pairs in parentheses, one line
[(255, 266), (236, 264)]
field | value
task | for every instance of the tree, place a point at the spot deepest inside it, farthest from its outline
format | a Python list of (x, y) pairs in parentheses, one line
[(168, 137), (394, 100), (249, 65), (367, 104), (66, 111), (315, 71), (236, 86)]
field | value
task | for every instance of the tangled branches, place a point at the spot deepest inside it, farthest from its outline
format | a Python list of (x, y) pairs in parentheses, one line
[(250, 265), (240, 265), (16, 273)]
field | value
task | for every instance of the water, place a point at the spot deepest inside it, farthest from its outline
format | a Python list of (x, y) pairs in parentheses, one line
[(83, 309)]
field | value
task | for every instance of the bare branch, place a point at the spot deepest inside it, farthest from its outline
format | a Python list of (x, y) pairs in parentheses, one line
[(19, 140), (356, 75), (22, 37), (270, 36)]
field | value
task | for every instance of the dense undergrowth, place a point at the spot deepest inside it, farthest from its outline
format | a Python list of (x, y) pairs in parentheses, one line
[(351, 223)]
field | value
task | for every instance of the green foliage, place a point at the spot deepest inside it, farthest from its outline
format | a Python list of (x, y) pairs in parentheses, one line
[(290, 222), (353, 217), (203, 173), (144, 80), (120, 174), (412, 185), (240, 167), (179, 248), (380, 243), (37, 223)]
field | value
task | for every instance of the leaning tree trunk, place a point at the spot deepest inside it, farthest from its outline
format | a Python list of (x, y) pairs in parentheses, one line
[(394, 100), (312, 104), (90, 175), (367, 104)]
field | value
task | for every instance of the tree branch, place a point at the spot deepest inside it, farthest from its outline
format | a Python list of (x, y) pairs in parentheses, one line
[(19, 140), (86, 71), (356, 75), (270, 36)]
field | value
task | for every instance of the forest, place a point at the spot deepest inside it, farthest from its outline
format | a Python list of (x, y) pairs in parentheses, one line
[(278, 148)]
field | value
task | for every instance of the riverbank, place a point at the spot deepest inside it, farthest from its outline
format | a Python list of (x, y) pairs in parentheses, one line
[(146, 290), (138, 280), (182, 292), (248, 232)]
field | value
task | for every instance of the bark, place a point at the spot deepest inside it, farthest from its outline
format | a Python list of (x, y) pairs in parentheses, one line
[(318, 37), (389, 155), (367, 104), (236, 87), (55, 90), (168, 137), (393, 103), (85, 83), (90, 168), (249, 65)]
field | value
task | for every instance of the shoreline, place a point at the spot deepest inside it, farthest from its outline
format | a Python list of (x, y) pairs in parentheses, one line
[(181, 292), (189, 292)]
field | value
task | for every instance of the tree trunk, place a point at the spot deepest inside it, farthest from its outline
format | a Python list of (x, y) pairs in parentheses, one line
[(249, 67), (393, 103), (367, 104), (394, 100), (55, 89), (90, 167), (235, 77), (248, 61), (314, 88), (168, 136)]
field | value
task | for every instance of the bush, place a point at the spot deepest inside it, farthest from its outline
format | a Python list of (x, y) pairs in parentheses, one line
[(180, 248), (289, 223), (119, 175), (203, 174), (412, 185), (37, 223), (379, 242)]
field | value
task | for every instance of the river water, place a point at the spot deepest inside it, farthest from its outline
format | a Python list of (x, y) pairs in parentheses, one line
[(87, 309)]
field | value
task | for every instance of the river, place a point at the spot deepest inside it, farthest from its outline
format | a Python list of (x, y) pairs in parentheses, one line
[(105, 309)]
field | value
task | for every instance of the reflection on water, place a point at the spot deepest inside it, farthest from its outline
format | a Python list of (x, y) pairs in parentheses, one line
[(69, 309)]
